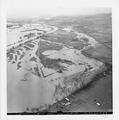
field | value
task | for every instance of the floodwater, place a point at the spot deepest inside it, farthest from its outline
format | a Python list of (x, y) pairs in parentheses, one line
[(31, 93), (27, 90)]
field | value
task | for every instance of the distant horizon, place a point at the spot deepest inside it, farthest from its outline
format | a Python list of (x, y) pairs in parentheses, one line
[(51, 17), (26, 15)]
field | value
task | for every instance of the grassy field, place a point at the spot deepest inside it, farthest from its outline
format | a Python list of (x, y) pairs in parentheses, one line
[(53, 63), (59, 36), (43, 46), (101, 53), (97, 26), (64, 37)]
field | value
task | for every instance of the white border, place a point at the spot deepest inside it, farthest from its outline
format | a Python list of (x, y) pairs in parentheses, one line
[(115, 31)]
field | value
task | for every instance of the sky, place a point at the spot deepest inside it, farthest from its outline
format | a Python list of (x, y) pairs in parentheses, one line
[(48, 8)]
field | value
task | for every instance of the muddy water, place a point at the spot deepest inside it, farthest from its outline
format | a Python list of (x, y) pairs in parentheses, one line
[(30, 93), (25, 89), (28, 90)]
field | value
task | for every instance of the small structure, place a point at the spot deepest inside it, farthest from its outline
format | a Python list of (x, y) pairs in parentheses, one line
[(66, 102)]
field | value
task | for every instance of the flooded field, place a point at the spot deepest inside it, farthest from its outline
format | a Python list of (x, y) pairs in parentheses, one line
[(45, 64)]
